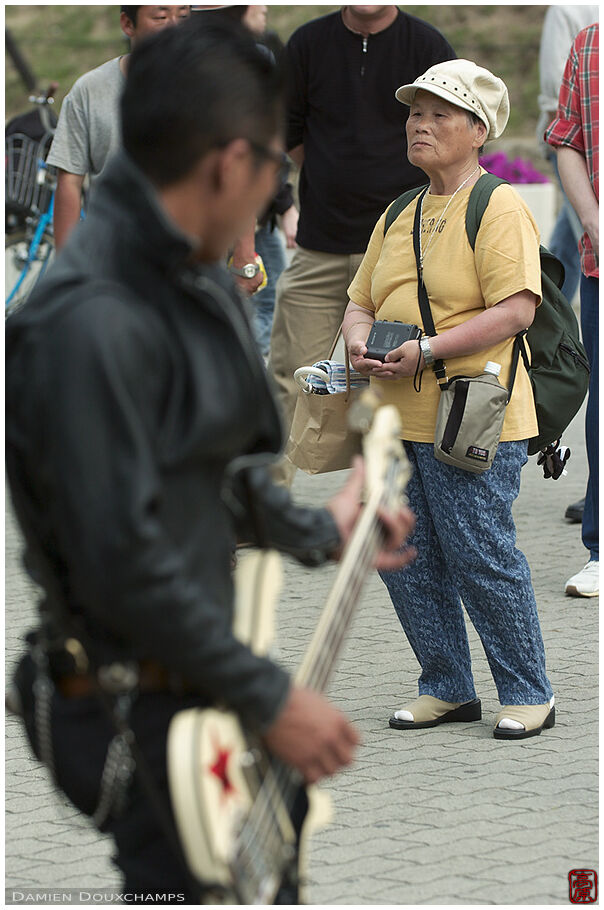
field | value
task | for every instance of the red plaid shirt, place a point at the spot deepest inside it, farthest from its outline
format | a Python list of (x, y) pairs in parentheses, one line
[(577, 123)]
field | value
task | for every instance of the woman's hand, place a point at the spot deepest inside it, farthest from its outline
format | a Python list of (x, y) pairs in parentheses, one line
[(400, 362), (357, 351)]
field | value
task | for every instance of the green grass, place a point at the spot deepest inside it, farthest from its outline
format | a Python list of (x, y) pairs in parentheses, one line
[(62, 42)]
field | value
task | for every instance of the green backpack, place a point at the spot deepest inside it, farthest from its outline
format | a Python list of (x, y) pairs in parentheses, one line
[(558, 369)]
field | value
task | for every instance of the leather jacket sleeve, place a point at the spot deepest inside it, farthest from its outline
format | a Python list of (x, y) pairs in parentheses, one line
[(265, 514)]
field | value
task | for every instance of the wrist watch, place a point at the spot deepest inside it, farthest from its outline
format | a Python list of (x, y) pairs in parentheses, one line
[(424, 346), (249, 270)]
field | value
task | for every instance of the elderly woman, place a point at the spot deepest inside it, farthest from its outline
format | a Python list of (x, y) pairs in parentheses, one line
[(480, 299)]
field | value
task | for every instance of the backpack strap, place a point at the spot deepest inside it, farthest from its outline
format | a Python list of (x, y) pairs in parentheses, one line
[(477, 203), (401, 203), (551, 267)]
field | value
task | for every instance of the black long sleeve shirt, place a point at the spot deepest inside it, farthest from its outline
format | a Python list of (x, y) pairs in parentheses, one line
[(342, 109)]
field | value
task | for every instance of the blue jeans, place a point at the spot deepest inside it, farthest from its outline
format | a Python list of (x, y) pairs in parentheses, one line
[(589, 330), (564, 242), (270, 245), (465, 538)]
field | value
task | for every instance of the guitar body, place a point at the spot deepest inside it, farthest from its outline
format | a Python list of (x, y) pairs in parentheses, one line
[(216, 772)]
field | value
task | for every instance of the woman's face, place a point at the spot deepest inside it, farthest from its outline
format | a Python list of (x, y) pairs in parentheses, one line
[(439, 134)]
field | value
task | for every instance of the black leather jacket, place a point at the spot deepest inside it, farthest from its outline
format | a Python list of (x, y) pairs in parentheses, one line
[(133, 381)]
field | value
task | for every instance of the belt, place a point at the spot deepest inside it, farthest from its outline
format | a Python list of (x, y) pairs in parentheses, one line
[(152, 677)]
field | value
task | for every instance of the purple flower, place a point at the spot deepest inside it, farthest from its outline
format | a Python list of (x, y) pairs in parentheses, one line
[(517, 171)]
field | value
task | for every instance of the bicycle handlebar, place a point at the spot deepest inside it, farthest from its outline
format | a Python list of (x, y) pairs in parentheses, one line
[(47, 97)]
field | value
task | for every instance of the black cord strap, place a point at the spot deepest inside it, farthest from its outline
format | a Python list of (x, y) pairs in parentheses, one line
[(438, 366)]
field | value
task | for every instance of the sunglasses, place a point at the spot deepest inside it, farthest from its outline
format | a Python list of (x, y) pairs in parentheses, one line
[(278, 158)]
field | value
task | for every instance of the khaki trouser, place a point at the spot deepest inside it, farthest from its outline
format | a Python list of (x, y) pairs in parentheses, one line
[(311, 301)]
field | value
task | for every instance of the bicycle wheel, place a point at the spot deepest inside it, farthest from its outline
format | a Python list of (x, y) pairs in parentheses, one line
[(21, 275)]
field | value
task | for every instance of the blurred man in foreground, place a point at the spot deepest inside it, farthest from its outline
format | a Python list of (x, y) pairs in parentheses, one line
[(134, 391)]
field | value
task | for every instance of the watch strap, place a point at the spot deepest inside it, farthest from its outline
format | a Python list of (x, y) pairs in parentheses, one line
[(426, 350), (241, 272)]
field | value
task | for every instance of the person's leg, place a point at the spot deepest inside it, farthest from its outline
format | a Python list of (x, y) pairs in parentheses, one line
[(311, 300), (563, 245), (472, 515), (426, 600), (149, 853), (271, 247), (589, 331)]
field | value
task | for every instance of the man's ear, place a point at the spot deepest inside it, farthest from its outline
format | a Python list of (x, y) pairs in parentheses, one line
[(127, 26), (231, 165)]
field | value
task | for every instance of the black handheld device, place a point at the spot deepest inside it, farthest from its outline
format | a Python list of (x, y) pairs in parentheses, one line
[(385, 336)]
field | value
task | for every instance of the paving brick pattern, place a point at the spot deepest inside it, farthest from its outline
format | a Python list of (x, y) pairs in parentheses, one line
[(440, 816)]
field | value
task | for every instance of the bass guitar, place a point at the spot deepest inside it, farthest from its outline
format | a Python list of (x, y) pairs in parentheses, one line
[(243, 816)]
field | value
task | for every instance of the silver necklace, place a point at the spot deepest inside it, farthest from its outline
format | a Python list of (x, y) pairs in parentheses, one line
[(422, 253)]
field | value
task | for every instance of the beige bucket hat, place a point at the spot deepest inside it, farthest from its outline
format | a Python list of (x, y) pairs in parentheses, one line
[(466, 85)]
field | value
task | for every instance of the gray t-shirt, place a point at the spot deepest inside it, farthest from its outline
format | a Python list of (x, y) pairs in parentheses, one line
[(88, 131)]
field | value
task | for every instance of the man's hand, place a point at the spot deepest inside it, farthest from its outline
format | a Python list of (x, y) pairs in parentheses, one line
[(289, 226), (346, 506), (311, 735), (247, 286), (592, 226)]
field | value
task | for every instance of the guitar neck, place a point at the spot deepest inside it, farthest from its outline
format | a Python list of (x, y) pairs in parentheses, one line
[(321, 656)]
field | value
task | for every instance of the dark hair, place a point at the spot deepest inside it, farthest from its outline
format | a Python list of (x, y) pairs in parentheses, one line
[(131, 12), (193, 88), (233, 13)]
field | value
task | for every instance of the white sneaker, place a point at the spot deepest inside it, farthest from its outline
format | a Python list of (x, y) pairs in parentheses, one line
[(585, 583)]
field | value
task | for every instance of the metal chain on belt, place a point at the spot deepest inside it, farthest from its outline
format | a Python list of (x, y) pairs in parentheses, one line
[(43, 688), (118, 770), (119, 765)]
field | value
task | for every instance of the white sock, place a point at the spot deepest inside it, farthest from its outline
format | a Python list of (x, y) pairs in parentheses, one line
[(506, 723), (404, 715)]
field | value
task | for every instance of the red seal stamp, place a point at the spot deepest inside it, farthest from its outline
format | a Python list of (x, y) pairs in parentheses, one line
[(582, 886)]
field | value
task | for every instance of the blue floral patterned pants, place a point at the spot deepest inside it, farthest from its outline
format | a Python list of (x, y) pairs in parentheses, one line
[(466, 542)]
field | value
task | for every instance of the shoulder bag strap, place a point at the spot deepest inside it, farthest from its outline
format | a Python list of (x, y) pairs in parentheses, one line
[(438, 366)]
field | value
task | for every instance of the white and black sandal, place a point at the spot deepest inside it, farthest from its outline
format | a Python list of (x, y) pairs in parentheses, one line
[(522, 721), (427, 711)]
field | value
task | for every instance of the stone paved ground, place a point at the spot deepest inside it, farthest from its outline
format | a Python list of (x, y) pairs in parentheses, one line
[(442, 816)]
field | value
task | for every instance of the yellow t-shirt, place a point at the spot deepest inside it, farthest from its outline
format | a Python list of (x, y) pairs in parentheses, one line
[(460, 284)]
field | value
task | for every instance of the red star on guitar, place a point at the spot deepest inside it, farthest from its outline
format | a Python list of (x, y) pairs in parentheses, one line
[(219, 769)]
